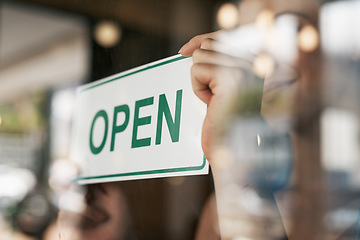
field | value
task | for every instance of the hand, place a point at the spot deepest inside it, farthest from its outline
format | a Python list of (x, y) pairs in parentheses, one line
[(105, 215), (216, 78)]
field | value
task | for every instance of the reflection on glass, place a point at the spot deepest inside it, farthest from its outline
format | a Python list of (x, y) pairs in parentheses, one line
[(263, 65), (265, 19), (227, 16), (308, 38), (247, 182), (263, 187), (107, 33)]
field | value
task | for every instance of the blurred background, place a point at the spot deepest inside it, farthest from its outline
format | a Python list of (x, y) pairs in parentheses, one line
[(308, 51)]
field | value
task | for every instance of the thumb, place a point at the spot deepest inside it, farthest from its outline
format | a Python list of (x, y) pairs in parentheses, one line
[(187, 49)]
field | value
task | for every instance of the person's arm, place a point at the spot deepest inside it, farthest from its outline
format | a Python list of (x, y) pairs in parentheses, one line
[(215, 77)]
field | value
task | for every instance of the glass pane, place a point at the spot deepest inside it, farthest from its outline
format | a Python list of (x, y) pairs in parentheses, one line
[(281, 134)]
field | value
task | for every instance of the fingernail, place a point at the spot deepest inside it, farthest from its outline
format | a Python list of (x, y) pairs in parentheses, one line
[(182, 48)]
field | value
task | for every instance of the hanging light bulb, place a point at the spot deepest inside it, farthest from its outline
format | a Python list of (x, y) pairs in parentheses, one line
[(308, 38), (228, 16), (107, 33)]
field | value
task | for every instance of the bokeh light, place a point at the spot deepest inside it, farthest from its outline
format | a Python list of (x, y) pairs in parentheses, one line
[(62, 173), (265, 19), (228, 16), (15, 183), (308, 38), (263, 65), (107, 33)]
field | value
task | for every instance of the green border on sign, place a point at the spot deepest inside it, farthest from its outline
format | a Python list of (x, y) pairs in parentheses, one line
[(146, 67), (148, 172)]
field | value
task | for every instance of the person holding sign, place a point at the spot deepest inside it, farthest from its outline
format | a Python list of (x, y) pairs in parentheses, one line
[(233, 91), (216, 78)]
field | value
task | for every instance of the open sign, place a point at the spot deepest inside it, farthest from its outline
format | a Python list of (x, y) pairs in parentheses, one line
[(143, 123)]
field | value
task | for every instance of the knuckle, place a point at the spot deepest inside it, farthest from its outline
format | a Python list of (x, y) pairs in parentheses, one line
[(196, 54), (207, 43), (194, 68)]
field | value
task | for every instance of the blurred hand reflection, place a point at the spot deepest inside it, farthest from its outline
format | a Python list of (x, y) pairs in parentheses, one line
[(105, 216)]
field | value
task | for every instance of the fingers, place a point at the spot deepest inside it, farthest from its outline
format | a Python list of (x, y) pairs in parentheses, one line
[(210, 80), (221, 59), (216, 86), (201, 76), (195, 43), (216, 76), (213, 70)]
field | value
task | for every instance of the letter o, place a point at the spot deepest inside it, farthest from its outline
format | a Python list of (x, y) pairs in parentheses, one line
[(96, 150)]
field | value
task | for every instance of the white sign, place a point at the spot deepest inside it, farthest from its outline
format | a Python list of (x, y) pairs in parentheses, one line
[(142, 123)]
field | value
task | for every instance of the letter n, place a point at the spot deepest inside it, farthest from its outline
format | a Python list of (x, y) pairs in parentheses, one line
[(173, 125)]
